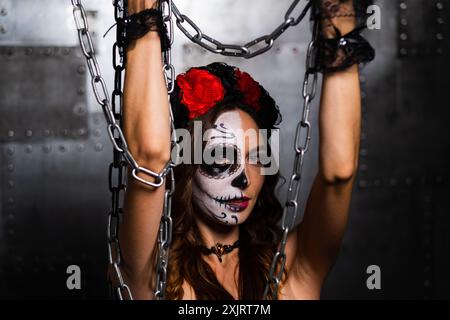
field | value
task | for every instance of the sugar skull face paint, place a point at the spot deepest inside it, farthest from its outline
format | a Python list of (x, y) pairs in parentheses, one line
[(226, 189)]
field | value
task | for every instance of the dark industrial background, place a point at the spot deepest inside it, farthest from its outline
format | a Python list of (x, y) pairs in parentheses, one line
[(55, 152)]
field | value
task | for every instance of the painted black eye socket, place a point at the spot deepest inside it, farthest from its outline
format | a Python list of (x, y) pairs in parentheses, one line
[(225, 160)]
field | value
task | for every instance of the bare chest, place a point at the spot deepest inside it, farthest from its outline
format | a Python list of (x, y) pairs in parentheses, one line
[(290, 290)]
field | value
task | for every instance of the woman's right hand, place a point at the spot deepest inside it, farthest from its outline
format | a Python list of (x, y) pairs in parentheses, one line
[(135, 6)]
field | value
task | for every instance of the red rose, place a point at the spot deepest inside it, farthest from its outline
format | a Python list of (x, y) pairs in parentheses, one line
[(250, 88), (200, 90)]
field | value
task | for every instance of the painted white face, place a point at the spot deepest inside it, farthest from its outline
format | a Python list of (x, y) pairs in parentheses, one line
[(227, 189)]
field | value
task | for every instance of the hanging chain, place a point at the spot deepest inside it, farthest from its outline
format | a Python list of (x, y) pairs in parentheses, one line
[(165, 228), (301, 146), (250, 49)]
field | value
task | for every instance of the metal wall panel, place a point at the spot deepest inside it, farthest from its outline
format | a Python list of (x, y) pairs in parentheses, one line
[(53, 190)]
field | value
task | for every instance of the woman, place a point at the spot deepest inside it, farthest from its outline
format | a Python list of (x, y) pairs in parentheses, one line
[(225, 211)]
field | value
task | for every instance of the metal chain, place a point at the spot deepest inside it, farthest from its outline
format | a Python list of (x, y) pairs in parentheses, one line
[(301, 146), (165, 228), (250, 49)]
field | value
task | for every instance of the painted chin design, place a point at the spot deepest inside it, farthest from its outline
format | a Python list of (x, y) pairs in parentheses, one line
[(224, 209)]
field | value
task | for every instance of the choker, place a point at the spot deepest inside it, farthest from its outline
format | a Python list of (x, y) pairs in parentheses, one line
[(219, 249)]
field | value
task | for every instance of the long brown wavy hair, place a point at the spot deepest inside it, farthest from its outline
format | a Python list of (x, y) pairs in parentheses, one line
[(258, 235)]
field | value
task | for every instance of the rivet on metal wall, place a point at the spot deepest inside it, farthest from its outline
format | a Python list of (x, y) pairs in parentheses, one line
[(403, 6), (79, 109), (81, 147), (81, 131), (29, 148), (3, 12), (97, 132), (3, 29), (81, 69), (10, 150), (96, 120), (47, 148), (439, 5), (28, 132), (11, 133), (98, 147), (62, 148), (10, 167), (363, 136), (11, 184), (47, 133), (363, 152), (393, 182), (29, 51)]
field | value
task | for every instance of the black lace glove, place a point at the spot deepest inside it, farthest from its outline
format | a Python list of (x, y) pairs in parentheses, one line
[(143, 22), (337, 51)]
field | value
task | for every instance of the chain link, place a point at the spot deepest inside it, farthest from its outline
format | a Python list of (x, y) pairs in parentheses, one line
[(250, 49), (301, 146)]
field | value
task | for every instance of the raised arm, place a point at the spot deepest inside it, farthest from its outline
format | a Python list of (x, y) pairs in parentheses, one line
[(317, 239), (147, 130)]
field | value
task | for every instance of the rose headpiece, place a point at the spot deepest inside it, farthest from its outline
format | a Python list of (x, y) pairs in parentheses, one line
[(217, 85)]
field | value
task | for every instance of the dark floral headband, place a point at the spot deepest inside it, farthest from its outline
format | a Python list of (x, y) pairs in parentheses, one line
[(200, 89)]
